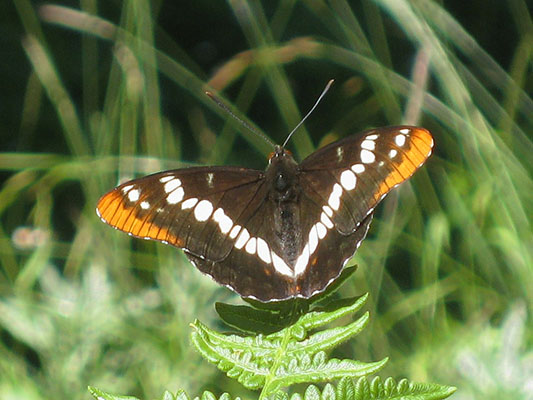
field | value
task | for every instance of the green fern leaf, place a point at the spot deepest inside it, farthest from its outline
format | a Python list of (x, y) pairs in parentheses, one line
[(101, 395), (252, 320), (280, 395), (346, 389), (210, 396), (346, 274), (312, 393), (318, 370), (207, 395), (303, 305), (290, 355), (329, 392), (322, 316), (328, 339), (375, 390), (272, 317), (296, 396), (405, 390), (232, 354)]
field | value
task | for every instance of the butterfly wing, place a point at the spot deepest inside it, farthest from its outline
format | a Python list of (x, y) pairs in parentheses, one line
[(351, 176), (341, 185), (324, 250), (253, 268), (220, 217), (200, 209)]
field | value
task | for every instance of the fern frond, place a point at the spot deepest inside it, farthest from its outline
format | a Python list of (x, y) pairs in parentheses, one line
[(346, 274), (346, 389), (374, 390), (288, 356)]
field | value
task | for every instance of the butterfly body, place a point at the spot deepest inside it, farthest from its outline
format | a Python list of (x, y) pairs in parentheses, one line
[(282, 179), (283, 233)]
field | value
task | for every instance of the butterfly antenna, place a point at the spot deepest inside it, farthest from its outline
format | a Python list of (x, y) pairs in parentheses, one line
[(243, 123), (310, 111)]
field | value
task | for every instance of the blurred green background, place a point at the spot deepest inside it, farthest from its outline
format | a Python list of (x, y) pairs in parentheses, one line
[(96, 92)]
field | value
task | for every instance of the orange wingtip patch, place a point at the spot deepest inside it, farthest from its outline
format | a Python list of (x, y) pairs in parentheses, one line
[(418, 151), (112, 210), (412, 158), (108, 206), (422, 141)]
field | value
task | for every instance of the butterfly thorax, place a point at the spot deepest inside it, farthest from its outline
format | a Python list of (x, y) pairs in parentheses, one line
[(282, 177), (284, 193)]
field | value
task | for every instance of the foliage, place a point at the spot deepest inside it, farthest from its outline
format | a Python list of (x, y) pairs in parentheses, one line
[(288, 356), (293, 355), (296, 353), (362, 389)]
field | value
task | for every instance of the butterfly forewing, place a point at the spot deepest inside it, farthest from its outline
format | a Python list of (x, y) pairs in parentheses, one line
[(351, 176), (199, 209)]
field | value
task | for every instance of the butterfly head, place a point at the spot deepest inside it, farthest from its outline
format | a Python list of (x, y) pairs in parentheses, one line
[(279, 152)]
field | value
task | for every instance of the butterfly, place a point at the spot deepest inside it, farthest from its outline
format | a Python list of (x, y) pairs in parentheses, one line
[(272, 235)]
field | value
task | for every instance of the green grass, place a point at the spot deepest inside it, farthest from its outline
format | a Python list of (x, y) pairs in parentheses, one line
[(449, 259)]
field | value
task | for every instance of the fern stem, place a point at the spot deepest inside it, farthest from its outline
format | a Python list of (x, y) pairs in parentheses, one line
[(270, 380)]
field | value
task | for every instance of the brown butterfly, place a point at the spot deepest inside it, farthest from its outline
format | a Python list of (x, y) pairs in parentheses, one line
[(276, 234)]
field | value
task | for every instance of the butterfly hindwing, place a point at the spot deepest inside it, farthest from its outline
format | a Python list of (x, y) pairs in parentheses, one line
[(320, 252), (281, 239), (323, 250)]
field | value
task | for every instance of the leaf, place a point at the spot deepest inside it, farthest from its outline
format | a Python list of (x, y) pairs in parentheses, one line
[(315, 372), (345, 389), (291, 306), (319, 318), (376, 390), (180, 395), (291, 355), (267, 318), (101, 395), (312, 393), (302, 305), (324, 315), (252, 320), (234, 355), (330, 338), (279, 395), (169, 396), (405, 390), (329, 392)]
